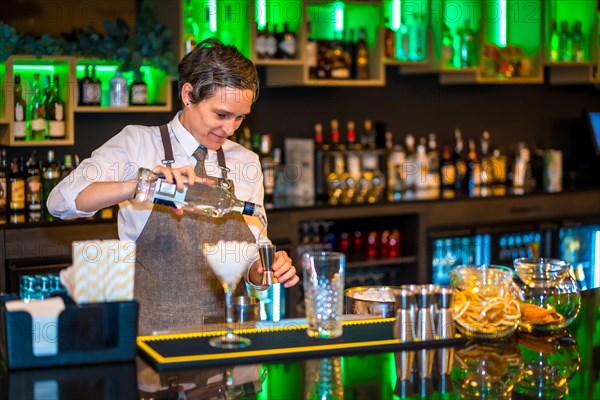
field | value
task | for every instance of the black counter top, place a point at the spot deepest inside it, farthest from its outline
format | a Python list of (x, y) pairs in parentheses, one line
[(526, 366)]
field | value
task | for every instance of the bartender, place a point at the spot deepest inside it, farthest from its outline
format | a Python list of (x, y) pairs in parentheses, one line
[(173, 283)]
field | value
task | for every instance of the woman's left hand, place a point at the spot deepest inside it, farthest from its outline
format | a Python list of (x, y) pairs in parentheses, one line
[(283, 270)]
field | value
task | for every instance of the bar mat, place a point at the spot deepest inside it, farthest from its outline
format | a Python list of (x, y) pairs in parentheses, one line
[(269, 344)]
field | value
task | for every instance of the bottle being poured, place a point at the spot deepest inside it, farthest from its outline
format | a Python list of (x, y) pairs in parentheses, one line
[(210, 197)]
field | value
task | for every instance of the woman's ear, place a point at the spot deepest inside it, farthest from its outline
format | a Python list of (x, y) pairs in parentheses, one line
[(186, 92)]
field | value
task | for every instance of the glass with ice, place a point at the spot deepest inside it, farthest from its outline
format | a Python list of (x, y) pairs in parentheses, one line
[(324, 293), (229, 260)]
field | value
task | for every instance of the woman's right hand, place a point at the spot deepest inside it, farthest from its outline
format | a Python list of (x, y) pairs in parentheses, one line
[(176, 174)]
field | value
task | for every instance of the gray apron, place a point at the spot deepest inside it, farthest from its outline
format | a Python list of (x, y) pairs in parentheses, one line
[(174, 285)]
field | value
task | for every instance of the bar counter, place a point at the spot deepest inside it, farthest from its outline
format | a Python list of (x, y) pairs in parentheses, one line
[(526, 366)]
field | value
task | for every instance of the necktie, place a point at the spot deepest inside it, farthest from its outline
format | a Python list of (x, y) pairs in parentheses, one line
[(200, 156)]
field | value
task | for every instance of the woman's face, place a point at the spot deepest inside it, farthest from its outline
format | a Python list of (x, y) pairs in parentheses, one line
[(215, 119)]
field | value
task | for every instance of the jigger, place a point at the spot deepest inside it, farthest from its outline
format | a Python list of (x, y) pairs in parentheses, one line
[(267, 256)]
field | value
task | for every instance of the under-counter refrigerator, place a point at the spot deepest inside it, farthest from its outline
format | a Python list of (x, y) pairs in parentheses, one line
[(451, 248), (579, 245)]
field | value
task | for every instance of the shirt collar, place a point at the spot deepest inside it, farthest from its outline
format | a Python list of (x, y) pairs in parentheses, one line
[(184, 137)]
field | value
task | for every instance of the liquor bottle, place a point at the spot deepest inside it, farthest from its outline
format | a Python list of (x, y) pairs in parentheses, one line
[(433, 158), (447, 48), (16, 192), (362, 56), (37, 113), (50, 176), (487, 170), (191, 30), (448, 173), (564, 43), (312, 52), (119, 96), (287, 45), (138, 90), (4, 173), (246, 138), (554, 41), (402, 41), (410, 166), (352, 173), (94, 91), (413, 37), (350, 46), (20, 120), (389, 41), (322, 169), (67, 167), (460, 162), (83, 85), (55, 112), (270, 43), (268, 168), (473, 171), (33, 190), (467, 46), (396, 179), (421, 163), (339, 61), (260, 45), (577, 43), (206, 198)]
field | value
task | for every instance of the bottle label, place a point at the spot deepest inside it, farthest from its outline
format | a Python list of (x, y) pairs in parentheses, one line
[(261, 45), (340, 73), (20, 130), (3, 193), (17, 195), (269, 177), (139, 94), (59, 112), (56, 129), (90, 93), (19, 114), (289, 47), (118, 92), (271, 46), (38, 124)]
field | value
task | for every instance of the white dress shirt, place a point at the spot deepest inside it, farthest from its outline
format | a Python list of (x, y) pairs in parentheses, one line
[(141, 146)]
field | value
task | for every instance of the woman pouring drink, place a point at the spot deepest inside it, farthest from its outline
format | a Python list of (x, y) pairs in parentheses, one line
[(173, 283)]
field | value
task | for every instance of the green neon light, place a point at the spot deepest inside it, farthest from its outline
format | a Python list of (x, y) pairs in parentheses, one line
[(396, 14), (261, 14), (339, 16), (502, 26), (45, 68), (212, 16), (100, 68)]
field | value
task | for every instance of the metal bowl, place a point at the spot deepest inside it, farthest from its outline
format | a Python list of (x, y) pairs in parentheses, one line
[(371, 300)]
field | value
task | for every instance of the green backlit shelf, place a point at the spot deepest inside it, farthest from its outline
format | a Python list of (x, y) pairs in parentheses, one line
[(69, 70)]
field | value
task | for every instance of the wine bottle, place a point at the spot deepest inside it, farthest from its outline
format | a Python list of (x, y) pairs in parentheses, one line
[(37, 114), (20, 122), (207, 198), (362, 56), (33, 189), (138, 91), (4, 172), (312, 53), (564, 43), (577, 43), (190, 28), (554, 41), (287, 45), (50, 177), (268, 168), (16, 192), (55, 114), (84, 96), (321, 163), (467, 46), (94, 91)]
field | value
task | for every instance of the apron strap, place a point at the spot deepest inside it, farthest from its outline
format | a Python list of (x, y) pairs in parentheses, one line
[(166, 141), (222, 165)]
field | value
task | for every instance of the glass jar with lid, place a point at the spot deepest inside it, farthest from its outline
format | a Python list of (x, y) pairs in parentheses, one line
[(549, 294)]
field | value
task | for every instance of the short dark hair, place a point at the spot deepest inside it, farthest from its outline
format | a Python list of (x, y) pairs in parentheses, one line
[(212, 65)]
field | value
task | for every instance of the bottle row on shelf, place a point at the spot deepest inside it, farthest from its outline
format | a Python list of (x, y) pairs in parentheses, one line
[(357, 245), (121, 92), (363, 171), (42, 115), (457, 35), (26, 183)]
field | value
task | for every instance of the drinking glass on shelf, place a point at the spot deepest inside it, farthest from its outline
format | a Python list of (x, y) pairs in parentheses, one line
[(324, 293), (229, 260)]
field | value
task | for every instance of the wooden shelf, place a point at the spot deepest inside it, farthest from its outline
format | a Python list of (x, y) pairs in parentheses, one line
[(279, 63), (128, 109), (512, 81), (380, 262)]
